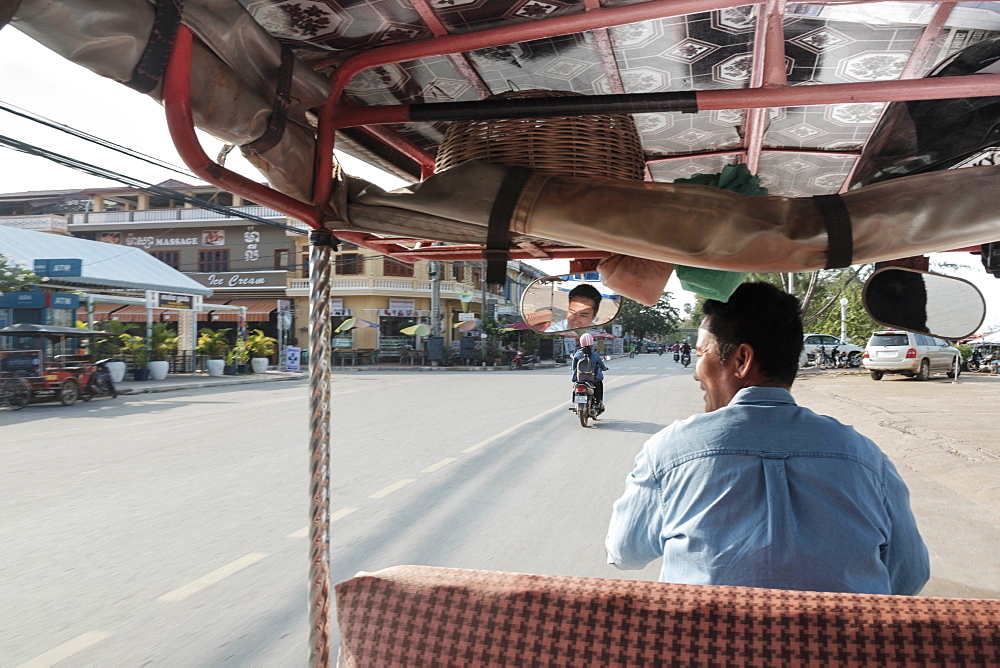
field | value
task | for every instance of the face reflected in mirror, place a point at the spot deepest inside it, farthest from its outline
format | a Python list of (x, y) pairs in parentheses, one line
[(918, 301), (565, 303)]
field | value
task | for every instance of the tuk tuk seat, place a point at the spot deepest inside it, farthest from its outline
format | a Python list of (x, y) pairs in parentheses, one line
[(421, 615)]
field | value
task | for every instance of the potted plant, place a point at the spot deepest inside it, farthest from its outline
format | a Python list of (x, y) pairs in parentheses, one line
[(110, 347), (240, 356), (260, 347), (214, 344), (135, 348), (162, 344)]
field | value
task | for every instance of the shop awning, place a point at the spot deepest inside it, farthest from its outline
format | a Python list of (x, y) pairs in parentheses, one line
[(101, 312), (258, 310), (136, 313)]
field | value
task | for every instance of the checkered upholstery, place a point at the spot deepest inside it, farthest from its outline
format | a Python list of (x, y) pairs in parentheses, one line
[(428, 617)]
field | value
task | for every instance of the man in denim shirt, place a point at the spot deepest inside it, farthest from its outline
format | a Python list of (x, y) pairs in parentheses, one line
[(760, 492)]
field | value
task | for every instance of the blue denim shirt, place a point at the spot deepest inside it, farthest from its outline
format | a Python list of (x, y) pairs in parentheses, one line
[(765, 493)]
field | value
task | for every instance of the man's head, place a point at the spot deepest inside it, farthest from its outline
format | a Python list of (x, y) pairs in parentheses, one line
[(584, 300), (753, 339)]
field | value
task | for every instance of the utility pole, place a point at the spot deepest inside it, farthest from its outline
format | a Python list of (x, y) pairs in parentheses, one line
[(434, 270), (482, 341)]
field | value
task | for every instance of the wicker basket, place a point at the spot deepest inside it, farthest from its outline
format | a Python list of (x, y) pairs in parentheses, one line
[(591, 145)]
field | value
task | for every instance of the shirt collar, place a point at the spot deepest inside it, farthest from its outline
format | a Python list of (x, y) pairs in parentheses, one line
[(763, 395)]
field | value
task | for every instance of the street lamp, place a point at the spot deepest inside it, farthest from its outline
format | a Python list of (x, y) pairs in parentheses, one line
[(843, 319)]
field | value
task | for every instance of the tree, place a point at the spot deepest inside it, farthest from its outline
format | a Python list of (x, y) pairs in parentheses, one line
[(661, 319), (14, 277), (819, 293)]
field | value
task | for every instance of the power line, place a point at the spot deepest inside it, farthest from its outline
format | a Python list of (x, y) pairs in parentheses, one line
[(31, 116), (138, 184)]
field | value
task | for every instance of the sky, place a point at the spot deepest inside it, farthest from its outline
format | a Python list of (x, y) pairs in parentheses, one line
[(39, 81)]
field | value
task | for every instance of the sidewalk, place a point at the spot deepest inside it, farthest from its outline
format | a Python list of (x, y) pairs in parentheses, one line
[(187, 381)]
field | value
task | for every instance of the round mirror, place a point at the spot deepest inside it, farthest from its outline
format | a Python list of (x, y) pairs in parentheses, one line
[(918, 301), (564, 303)]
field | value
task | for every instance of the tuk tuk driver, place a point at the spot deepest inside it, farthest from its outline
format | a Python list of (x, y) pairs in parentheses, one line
[(759, 491)]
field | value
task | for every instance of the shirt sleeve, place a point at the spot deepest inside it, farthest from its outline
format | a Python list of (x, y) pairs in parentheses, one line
[(633, 535), (904, 554), (600, 362)]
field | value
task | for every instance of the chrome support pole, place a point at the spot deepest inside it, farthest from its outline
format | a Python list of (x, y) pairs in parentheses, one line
[(319, 447)]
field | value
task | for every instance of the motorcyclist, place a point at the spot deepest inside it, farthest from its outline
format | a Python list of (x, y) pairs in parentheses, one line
[(686, 352), (586, 349)]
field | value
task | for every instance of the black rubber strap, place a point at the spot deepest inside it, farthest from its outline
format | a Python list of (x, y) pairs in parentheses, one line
[(538, 107), (279, 110), (497, 250), (840, 238), (323, 237), (148, 72)]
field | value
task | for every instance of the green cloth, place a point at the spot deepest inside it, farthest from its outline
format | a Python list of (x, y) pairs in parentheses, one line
[(716, 283)]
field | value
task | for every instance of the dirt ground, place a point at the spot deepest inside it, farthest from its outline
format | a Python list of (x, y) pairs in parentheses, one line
[(944, 438)]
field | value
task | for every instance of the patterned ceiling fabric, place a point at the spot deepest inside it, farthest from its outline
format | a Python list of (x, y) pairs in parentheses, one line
[(567, 63), (695, 52), (708, 50), (340, 24), (468, 15)]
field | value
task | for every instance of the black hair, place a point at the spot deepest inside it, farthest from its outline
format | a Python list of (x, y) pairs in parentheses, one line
[(587, 291), (764, 317)]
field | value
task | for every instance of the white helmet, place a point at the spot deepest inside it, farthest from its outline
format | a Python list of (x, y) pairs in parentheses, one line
[(587, 339)]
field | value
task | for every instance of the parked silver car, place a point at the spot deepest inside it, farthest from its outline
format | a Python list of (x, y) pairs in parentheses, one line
[(913, 355), (813, 344)]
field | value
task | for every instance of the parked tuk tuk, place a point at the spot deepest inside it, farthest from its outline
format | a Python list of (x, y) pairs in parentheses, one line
[(45, 365)]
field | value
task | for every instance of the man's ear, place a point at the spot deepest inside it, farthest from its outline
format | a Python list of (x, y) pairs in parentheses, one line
[(744, 358)]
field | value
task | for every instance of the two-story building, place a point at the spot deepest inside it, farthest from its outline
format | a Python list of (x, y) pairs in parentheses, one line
[(252, 256)]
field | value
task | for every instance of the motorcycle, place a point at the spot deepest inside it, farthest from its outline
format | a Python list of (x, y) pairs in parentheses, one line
[(584, 404), (686, 358), (522, 361), (100, 383), (660, 351), (677, 356)]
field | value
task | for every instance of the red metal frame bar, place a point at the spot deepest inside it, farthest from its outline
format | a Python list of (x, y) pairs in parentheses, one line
[(403, 145), (980, 85), (768, 71), (180, 122)]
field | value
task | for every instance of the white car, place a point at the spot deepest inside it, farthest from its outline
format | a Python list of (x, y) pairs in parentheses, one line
[(812, 344), (913, 355)]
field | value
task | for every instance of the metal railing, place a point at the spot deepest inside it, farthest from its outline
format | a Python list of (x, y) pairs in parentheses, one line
[(389, 284), (48, 222), (157, 215)]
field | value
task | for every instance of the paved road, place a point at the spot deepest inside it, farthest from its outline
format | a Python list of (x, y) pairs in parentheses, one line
[(169, 529)]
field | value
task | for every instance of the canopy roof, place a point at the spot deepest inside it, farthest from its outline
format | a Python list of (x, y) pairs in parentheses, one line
[(28, 329), (104, 265), (792, 90)]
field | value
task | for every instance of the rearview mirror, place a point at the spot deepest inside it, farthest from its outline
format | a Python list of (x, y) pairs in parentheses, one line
[(943, 306), (564, 303)]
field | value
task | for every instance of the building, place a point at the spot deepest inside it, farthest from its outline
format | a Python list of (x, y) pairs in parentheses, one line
[(252, 256)]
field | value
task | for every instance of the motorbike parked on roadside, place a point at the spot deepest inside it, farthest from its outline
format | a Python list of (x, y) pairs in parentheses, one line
[(522, 361), (100, 383)]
